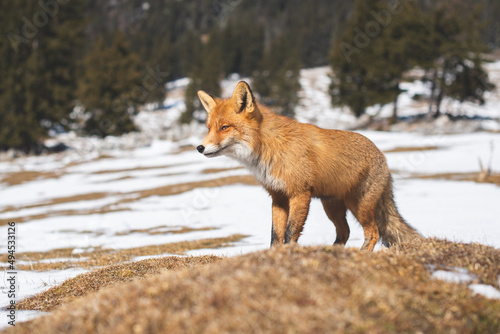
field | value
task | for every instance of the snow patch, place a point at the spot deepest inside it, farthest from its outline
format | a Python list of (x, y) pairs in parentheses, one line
[(454, 275), (485, 290), (463, 276)]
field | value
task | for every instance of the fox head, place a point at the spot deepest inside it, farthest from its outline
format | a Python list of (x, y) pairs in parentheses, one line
[(233, 124)]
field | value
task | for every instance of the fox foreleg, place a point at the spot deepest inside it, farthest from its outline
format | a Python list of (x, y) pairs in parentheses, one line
[(299, 209), (281, 210)]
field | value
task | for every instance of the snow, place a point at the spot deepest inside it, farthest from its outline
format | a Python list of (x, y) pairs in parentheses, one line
[(455, 275), (122, 167), (29, 283), (463, 276), (485, 290), (315, 106), (456, 210), (455, 153)]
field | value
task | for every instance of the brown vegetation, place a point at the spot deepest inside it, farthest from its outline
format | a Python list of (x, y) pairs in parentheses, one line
[(185, 148), (103, 257), (28, 218), (97, 279), (474, 177), (60, 200), (138, 168), (295, 289), (218, 170), (412, 149), (15, 178)]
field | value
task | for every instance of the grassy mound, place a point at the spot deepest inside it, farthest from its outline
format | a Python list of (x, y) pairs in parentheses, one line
[(296, 289), (95, 280)]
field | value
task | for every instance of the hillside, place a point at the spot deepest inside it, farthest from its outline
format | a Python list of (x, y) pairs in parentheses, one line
[(299, 290)]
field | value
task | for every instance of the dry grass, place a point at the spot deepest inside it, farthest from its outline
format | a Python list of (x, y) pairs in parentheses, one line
[(412, 149), (112, 171), (28, 218), (97, 279), (103, 257), (60, 200), (167, 230), (218, 170), (21, 177), (12, 179), (481, 260), (474, 177), (117, 179), (185, 148), (295, 290)]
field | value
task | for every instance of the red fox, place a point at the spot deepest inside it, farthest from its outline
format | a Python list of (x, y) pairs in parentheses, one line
[(295, 162)]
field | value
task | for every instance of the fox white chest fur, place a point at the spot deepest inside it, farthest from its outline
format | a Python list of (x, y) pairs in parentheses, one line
[(259, 169)]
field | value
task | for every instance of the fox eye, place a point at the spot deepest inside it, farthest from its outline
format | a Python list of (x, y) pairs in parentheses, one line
[(224, 127)]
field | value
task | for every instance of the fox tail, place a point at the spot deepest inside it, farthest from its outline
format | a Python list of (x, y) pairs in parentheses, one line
[(393, 229)]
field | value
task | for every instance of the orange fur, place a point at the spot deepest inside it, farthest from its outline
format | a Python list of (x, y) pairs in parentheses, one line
[(296, 162)]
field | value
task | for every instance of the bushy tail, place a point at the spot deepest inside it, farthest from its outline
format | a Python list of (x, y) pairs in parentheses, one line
[(392, 227)]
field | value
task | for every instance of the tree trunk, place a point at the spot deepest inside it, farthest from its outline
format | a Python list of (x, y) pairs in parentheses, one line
[(432, 98), (438, 103), (394, 117)]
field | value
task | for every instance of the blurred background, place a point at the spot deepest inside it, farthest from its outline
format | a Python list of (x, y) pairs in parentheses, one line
[(90, 67)]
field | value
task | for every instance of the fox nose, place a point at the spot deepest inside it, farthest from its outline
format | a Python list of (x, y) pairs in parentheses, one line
[(201, 148)]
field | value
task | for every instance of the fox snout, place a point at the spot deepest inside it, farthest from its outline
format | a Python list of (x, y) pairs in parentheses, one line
[(210, 151)]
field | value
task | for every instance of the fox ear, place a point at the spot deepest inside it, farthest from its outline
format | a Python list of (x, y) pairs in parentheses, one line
[(243, 98), (207, 100)]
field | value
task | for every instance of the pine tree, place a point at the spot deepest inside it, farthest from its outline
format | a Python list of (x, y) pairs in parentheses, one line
[(249, 41), (187, 50), (206, 75), (372, 53), (470, 82), (277, 78), (455, 69), (111, 88), (39, 61)]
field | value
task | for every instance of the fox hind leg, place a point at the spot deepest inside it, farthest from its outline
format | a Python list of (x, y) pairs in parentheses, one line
[(365, 214), (371, 235), (336, 212)]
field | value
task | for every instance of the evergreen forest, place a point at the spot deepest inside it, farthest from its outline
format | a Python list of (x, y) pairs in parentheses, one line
[(109, 57)]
